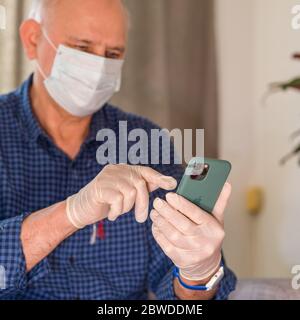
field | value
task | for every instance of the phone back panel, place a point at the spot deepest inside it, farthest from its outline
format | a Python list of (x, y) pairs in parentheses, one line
[(205, 193)]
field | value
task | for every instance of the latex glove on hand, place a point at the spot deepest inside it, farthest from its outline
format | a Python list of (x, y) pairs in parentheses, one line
[(189, 236), (115, 191)]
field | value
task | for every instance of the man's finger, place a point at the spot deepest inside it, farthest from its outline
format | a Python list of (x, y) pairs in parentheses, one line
[(129, 193), (156, 180), (165, 245), (142, 201), (221, 204), (115, 199), (173, 234), (177, 219), (190, 210)]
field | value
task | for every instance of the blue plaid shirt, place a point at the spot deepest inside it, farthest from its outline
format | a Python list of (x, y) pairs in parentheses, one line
[(126, 263)]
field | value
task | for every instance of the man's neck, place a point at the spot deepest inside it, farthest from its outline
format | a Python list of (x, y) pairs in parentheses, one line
[(67, 132)]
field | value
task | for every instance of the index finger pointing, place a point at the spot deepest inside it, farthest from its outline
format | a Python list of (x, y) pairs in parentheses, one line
[(157, 180)]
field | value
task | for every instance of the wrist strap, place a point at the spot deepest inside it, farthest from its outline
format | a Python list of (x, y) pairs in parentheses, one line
[(209, 286)]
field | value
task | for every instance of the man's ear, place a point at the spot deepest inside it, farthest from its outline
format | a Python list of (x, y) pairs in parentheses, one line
[(30, 31)]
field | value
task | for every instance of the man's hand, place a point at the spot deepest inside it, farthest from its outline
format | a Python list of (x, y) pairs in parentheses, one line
[(115, 191), (189, 236)]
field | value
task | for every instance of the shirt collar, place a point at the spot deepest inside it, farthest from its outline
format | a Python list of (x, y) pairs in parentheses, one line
[(32, 126), (99, 121)]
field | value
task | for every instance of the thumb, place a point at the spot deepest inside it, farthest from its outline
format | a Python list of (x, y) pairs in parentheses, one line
[(221, 204)]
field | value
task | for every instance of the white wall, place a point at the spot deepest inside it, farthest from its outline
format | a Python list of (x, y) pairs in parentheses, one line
[(255, 43), (235, 107)]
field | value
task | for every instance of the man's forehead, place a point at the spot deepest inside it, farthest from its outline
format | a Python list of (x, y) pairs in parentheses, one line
[(43, 8), (37, 8)]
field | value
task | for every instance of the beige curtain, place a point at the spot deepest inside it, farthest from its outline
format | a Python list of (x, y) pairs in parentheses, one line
[(13, 65), (170, 74)]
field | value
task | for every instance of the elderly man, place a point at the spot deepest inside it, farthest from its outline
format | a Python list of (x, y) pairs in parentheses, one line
[(69, 227)]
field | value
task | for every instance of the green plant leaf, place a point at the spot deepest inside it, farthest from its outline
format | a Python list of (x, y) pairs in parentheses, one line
[(292, 84)]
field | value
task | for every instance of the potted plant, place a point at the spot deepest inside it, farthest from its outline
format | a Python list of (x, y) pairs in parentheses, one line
[(293, 84)]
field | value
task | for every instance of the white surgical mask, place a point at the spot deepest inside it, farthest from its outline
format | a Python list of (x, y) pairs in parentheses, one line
[(80, 82)]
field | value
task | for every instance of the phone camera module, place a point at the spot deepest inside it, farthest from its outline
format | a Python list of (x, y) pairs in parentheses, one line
[(203, 174)]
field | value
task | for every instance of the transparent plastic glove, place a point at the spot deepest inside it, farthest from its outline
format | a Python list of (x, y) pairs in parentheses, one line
[(189, 236), (115, 191)]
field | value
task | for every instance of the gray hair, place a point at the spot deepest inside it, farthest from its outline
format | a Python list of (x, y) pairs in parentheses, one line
[(37, 7)]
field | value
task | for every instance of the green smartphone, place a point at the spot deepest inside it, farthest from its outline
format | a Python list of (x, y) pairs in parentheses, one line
[(203, 182)]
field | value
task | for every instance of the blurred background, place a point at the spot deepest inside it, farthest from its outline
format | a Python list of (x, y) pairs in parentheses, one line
[(207, 64)]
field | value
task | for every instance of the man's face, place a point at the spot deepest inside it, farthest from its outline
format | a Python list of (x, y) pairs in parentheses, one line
[(98, 27)]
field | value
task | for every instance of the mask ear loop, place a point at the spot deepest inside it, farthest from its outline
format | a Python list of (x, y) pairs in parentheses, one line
[(40, 70), (48, 39), (52, 45)]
